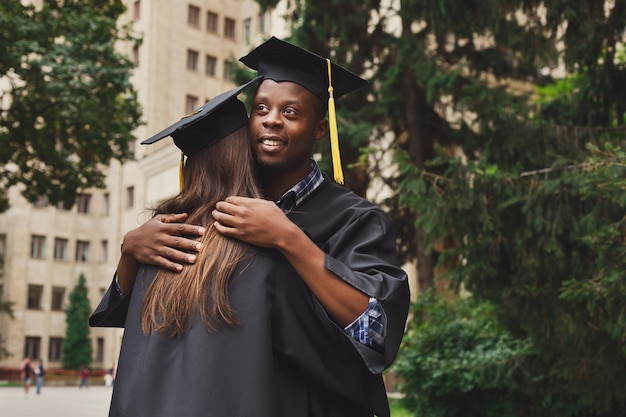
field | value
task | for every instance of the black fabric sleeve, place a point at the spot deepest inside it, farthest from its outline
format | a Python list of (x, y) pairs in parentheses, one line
[(112, 310)]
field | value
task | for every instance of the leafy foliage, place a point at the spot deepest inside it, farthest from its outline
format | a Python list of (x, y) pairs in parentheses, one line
[(77, 347), (70, 106), (547, 248), (7, 308), (456, 360)]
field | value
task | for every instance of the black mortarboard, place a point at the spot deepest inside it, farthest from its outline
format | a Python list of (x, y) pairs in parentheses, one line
[(278, 60), (204, 127)]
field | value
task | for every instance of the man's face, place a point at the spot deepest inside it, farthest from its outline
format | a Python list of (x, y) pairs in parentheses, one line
[(284, 124)]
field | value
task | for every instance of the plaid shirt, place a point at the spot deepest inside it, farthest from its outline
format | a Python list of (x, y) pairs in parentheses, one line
[(369, 327)]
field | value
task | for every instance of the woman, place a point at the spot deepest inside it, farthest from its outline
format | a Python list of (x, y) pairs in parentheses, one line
[(186, 333)]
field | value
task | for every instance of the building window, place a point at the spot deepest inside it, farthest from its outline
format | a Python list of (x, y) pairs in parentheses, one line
[(228, 70), (262, 22), (136, 54), (131, 148), (211, 22), (192, 60), (100, 349), (191, 104), (37, 246), (229, 28), (130, 197), (193, 16), (58, 296), (247, 29), (60, 249), (1, 293), (104, 251), (106, 204), (34, 297), (61, 206), (137, 10), (31, 347), (82, 251), (211, 64), (55, 349), (83, 203)]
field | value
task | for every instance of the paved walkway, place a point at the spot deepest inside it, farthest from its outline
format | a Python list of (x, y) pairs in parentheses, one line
[(55, 402)]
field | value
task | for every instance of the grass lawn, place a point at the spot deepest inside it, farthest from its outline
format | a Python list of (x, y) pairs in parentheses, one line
[(397, 410)]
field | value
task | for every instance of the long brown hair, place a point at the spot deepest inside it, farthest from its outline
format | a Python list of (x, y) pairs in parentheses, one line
[(172, 300)]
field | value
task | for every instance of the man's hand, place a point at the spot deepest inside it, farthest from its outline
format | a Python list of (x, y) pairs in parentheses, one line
[(255, 221), (164, 241), (262, 223)]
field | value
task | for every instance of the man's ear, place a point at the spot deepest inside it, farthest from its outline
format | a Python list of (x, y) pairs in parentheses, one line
[(321, 128)]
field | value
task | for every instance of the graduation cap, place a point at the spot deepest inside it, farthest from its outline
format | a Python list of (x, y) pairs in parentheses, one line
[(197, 130), (278, 60), (207, 125)]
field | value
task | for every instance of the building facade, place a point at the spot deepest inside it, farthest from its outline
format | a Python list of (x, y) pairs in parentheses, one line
[(187, 53)]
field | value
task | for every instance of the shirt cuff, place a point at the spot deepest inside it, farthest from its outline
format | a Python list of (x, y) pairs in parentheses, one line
[(116, 287), (369, 327)]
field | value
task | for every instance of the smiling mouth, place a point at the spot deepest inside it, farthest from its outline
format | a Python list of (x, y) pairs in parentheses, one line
[(271, 141)]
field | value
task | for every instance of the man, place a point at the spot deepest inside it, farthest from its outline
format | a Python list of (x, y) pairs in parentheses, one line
[(341, 245)]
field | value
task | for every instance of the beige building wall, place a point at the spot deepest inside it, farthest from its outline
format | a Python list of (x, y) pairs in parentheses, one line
[(166, 83)]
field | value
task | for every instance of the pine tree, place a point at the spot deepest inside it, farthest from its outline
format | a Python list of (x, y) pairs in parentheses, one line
[(77, 348)]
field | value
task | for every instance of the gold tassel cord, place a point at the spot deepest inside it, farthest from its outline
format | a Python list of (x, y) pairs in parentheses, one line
[(334, 136), (181, 168)]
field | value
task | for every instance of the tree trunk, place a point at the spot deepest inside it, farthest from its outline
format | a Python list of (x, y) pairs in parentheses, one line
[(420, 145)]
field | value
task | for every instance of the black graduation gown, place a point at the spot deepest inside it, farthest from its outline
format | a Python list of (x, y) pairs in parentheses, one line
[(360, 248), (229, 372), (287, 358)]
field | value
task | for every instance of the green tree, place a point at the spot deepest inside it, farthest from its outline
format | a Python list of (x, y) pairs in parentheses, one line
[(77, 347), (70, 106)]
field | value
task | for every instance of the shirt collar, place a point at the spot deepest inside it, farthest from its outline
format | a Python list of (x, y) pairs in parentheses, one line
[(294, 196)]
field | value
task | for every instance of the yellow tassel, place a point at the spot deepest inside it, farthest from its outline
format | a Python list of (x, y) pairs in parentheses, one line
[(181, 168), (334, 136)]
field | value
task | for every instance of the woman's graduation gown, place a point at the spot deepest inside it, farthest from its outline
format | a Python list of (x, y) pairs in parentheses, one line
[(286, 357)]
